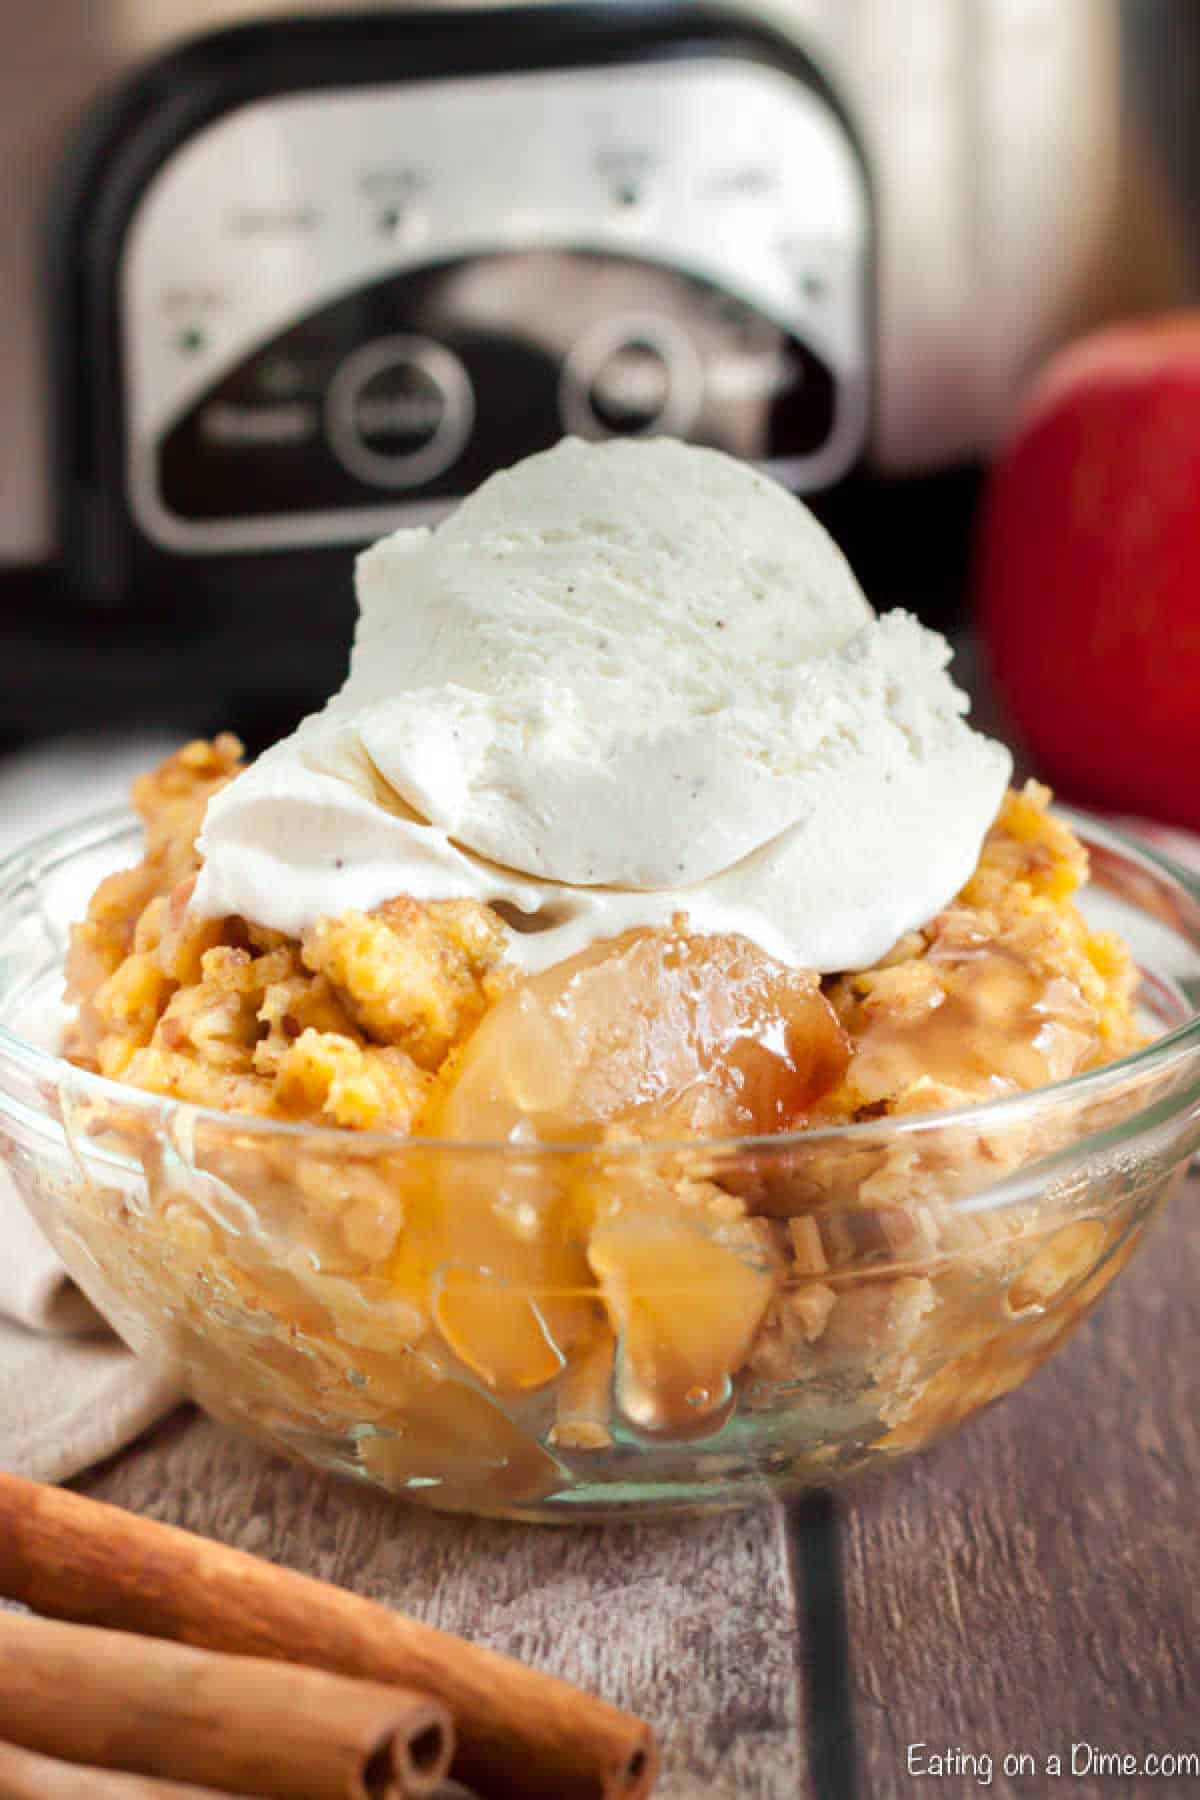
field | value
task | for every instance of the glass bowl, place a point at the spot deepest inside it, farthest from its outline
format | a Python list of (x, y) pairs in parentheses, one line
[(624, 1329)]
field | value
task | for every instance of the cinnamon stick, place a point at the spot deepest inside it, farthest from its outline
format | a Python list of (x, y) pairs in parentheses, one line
[(521, 1735), (24, 1775), (235, 1723)]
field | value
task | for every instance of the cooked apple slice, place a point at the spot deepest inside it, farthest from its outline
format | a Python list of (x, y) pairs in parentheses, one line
[(487, 1251), (495, 1329), (675, 1034), (685, 1306), (444, 1440)]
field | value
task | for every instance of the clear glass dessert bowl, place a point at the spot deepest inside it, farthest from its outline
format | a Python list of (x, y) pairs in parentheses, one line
[(623, 1328)]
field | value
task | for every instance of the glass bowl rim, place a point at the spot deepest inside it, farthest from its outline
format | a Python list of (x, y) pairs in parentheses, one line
[(1174, 1048)]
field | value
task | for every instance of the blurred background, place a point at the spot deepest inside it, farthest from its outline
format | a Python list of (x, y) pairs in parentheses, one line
[(266, 296)]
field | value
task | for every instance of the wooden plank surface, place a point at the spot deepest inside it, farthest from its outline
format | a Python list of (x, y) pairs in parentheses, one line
[(691, 1623), (1034, 1582)]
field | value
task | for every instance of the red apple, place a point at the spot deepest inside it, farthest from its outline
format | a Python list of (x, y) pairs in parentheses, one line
[(1088, 570)]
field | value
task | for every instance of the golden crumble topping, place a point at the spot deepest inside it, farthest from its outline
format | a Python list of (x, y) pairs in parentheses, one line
[(343, 1027)]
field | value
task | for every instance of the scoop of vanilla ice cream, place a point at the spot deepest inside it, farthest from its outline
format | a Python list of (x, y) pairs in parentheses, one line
[(589, 672), (622, 681)]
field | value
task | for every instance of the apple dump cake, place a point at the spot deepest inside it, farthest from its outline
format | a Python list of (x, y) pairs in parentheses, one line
[(633, 830)]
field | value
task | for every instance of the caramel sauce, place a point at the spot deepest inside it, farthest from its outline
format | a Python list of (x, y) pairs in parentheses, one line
[(979, 1020)]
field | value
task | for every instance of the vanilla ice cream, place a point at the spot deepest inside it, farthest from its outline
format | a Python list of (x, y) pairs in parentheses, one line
[(622, 682)]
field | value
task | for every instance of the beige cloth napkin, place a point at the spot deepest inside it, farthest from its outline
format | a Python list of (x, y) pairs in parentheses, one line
[(70, 1392)]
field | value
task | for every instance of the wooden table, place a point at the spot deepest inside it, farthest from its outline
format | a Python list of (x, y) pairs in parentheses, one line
[(1030, 1585)]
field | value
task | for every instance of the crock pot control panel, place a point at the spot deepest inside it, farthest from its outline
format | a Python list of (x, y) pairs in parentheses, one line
[(339, 310)]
